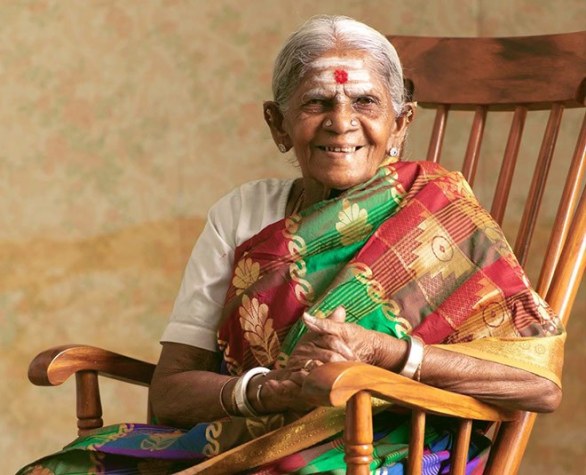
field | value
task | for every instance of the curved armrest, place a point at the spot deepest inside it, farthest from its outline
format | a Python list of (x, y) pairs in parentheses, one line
[(53, 366), (333, 384)]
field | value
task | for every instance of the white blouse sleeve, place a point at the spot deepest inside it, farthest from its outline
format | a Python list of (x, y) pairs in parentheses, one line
[(232, 220)]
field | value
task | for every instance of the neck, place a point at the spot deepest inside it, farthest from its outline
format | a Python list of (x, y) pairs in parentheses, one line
[(314, 192)]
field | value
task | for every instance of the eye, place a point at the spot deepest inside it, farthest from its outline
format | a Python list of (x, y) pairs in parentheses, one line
[(365, 101), (316, 104)]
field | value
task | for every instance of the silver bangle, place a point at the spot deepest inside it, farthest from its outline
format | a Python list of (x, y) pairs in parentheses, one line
[(242, 403), (415, 356)]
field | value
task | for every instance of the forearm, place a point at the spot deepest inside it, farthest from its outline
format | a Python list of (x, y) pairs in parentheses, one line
[(186, 388), (491, 382), (187, 398)]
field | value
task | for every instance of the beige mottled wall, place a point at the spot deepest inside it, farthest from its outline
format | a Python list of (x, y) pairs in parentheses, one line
[(120, 123)]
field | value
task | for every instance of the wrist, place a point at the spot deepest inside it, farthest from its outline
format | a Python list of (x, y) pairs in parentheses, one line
[(227, 400), (411, 368), (241, 394), (253, 393), (390, 352)]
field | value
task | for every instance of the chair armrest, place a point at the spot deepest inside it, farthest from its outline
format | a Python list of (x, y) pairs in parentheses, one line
[(53, 366), (333, 384)]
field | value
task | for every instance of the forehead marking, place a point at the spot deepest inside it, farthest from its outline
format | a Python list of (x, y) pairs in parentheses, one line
[(346, 63), (341, 76)]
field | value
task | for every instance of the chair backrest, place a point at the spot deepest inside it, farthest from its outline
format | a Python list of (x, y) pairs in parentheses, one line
[(521, 76)]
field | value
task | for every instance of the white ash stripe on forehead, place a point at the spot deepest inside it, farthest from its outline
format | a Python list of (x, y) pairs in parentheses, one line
[(338, 63)]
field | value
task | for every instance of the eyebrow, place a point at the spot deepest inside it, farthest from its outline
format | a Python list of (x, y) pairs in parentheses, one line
[(323, 92)]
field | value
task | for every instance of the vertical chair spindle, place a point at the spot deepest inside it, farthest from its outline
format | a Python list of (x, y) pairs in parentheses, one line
[(499, 203), (533, 202), (415, 460), (474, 143), (437, 135), (460, 449), (567, 205)]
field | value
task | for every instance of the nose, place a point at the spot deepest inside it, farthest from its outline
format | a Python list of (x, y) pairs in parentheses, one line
[(341, 118)]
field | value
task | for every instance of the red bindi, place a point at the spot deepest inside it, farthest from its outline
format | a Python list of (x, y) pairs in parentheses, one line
[(340, 76)]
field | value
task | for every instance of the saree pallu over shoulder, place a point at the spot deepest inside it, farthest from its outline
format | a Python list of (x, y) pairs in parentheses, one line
[(410, 251)]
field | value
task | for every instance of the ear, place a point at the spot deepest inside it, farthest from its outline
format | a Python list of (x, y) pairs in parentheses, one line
[(402, 123), (274, 119)]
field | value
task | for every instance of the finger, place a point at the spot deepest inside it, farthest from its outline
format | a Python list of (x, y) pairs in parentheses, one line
[(321, 325), (338, 315)]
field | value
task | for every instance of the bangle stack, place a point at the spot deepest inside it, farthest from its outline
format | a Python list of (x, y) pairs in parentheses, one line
[(241, 399), (412, 366)]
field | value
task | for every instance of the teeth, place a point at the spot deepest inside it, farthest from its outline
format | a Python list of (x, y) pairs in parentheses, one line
[(341, 149)]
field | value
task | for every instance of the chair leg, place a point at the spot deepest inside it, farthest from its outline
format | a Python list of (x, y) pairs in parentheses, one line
[(358, 434), (89, 405)]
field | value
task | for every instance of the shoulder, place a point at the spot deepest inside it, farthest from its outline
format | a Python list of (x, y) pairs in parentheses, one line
[(255, 191), (249, 208)]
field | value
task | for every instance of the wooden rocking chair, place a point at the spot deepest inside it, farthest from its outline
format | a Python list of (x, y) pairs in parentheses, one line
[(481, 75)]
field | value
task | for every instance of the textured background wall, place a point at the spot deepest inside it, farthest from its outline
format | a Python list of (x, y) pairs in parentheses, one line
[(120, 123)]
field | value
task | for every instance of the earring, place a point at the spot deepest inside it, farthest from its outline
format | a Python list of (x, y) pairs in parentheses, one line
[(393, 152), (328, 123), (282, 148)]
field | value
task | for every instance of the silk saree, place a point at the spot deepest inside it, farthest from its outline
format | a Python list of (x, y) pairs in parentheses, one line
[(408, 252)]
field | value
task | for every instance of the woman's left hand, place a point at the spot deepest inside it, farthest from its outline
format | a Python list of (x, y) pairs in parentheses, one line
[(332, 339)]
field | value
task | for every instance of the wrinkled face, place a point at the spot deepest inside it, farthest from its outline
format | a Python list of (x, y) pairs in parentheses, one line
[(340, 120)]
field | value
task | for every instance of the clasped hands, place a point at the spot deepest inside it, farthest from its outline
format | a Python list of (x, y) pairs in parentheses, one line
[(327, 340)]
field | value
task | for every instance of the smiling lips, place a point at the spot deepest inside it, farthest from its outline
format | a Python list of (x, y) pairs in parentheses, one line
[(346, 149)]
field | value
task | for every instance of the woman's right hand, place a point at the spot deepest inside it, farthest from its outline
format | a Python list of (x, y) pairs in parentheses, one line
[(280, 391)]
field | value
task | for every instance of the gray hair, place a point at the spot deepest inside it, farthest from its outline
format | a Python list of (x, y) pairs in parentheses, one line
[(320, 34)]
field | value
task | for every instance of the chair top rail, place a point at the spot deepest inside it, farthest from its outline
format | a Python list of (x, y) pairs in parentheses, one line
[(496, 71)]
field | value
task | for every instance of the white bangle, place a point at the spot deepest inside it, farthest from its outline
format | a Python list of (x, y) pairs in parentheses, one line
[(415, 356), (242, 403)]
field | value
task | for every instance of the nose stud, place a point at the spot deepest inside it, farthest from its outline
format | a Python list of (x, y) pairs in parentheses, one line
[(353, 122), (328, 123)]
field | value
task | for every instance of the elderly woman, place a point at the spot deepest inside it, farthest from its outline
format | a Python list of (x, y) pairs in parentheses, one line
[(363, 258)]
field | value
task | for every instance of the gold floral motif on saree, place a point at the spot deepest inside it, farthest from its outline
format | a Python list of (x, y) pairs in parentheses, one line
[(352, 224), (247, 272), (258, 330)]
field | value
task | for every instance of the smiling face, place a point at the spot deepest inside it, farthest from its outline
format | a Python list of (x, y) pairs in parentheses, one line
[(340, 121)]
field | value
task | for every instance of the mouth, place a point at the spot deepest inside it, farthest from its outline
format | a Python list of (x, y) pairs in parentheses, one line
[(344, 149)]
